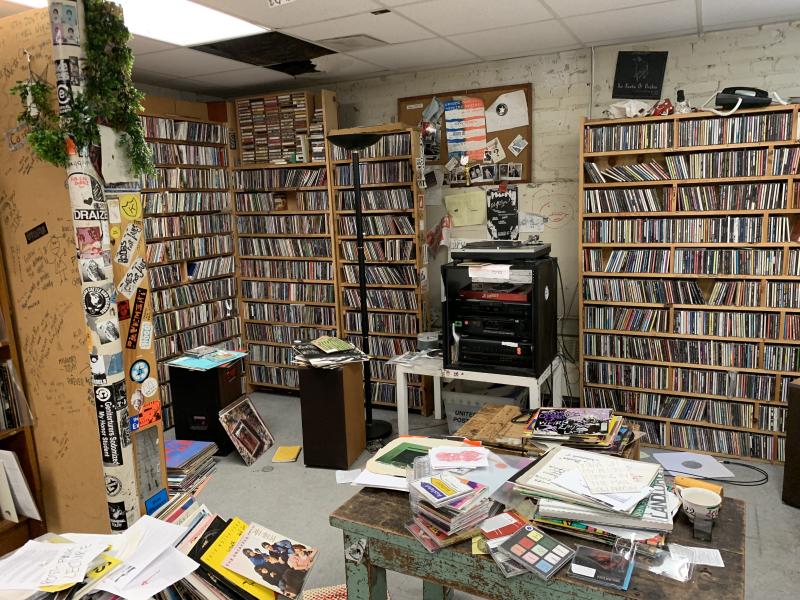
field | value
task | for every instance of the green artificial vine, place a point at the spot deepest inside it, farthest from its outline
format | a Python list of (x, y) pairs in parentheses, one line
[(109, 97)]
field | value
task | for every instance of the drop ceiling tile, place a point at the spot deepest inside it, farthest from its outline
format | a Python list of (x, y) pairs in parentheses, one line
[(184, 62), (718, 13), (426, 53), (571, 8), (638, 23), (522, 40), (390, 28), (393, 3), (144, 45), (144, 76), (449, 17), (294, 14), (244, 77)]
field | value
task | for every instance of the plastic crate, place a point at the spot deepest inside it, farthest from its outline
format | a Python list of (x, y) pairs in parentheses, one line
[(463, 399)]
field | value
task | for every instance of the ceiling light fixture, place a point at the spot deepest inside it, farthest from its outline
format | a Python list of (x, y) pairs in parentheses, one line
[(183, 23)]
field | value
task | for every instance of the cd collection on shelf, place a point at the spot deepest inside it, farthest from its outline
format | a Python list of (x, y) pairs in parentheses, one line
[(393, 233), (694, 337), (188, 229)]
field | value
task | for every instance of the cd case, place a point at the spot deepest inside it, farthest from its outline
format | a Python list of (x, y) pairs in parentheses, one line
[(611, 569)]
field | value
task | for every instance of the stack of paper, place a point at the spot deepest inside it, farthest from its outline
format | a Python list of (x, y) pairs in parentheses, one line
[(189, 464), (327, 353), (600, 497)]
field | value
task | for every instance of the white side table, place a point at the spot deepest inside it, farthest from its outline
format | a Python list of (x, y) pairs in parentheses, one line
[(553, 372)]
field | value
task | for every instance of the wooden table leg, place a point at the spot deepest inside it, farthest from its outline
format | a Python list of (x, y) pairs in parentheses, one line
[(364, 580), (434, 591)]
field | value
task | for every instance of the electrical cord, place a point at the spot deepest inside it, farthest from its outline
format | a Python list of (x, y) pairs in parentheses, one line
[(560, 325), (752, 483)]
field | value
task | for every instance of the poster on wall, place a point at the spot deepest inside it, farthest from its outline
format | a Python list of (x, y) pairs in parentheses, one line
[(639, 75), (502, 213)]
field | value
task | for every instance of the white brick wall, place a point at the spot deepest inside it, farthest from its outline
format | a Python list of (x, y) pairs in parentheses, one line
[(766, 57)]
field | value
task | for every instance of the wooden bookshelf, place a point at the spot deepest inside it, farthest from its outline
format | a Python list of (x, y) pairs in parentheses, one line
[(708, 368), (392, 201), (189, 232), (285, 237), (16, 436)]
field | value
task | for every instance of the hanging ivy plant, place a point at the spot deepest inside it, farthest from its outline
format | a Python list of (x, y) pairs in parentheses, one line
[(109, 96)]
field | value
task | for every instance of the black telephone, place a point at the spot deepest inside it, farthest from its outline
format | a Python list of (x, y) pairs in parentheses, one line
[(750, 97)]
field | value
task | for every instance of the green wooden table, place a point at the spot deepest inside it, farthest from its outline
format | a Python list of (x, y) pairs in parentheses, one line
[(375, 521)]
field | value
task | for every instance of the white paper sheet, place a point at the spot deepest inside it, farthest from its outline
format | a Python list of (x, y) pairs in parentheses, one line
[(691, 463), (493, 272), (146, 540), (39, 564), (466, 208), (7, 509), (700, 556), (388, 482), (510, 110), (167, 568), (23, 499), (609, 479), (573, 481), (347, 476)]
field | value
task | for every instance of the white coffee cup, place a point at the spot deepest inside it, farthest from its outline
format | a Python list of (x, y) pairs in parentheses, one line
[(699, 502)]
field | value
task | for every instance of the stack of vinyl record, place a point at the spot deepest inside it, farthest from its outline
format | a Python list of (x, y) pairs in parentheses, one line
[(189, 464)]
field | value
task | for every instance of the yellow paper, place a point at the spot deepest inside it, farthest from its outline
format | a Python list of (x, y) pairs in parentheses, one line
[(286, 453), (217, 552), (467, 208)]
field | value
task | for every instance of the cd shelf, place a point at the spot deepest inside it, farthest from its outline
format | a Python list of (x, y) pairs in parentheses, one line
[(285, 239), (189, 234), (394, 255), (690, 307)]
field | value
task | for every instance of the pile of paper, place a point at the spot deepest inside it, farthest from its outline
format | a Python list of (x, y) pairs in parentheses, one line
[(600, 497), (326, 353), (190, 464)]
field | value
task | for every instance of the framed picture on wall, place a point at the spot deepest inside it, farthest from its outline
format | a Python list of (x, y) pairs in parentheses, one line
[(639, 75)]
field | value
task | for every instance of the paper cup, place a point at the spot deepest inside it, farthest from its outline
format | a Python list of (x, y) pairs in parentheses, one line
[(699, 502)]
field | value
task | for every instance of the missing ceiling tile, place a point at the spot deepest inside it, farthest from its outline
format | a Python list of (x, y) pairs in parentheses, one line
[(351, 43), (382, 11), (271, 49)]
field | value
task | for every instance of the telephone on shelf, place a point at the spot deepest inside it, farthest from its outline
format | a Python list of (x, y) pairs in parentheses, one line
[(744, 97)]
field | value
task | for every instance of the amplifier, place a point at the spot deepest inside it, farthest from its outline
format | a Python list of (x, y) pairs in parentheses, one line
[(482, 351), (497, 327)]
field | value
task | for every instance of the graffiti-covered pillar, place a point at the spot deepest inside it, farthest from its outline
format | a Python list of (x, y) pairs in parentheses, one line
[(111, 348)]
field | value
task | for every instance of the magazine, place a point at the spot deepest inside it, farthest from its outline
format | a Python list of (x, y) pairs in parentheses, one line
[(551, 422), (272, 560), (247, 429)]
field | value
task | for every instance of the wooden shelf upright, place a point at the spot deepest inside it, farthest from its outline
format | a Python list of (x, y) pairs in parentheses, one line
[(690, 303)]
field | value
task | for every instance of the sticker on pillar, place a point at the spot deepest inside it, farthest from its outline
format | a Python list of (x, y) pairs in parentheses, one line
[(128, 243), (114, 232), (35, 233), (137, 400), (120, 395), (131, 280), (96, 301), (85, 191), (123, 310), (124, 427), (150, 387), (117, 516), (113, 209), (114, 366), (107, 331), (98, 367), (131, 206), (150, 413), (89, 241), (134, 421), (355, 552), (136, 319), (146, 335), (156, 501), (140, 370), (113, 486), (108, 426), (89, 214), (94, 270)]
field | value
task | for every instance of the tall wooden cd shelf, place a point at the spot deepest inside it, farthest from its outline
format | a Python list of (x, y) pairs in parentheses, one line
[(190, 247), (394, 249), (285, 237), (690, 311)]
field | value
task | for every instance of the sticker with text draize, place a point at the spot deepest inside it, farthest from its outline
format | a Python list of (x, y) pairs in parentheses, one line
[(128, 243), (135, 274)]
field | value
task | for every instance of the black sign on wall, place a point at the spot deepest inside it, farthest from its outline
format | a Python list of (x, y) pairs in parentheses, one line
[(639, 75)]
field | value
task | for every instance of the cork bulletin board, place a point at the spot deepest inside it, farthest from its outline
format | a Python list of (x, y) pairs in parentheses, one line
[(410, 111)]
